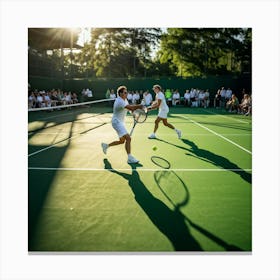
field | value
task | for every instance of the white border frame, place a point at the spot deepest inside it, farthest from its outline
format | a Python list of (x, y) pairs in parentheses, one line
[(17, 16)]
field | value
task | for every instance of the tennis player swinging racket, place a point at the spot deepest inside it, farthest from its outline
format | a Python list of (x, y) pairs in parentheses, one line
[(121, 106)]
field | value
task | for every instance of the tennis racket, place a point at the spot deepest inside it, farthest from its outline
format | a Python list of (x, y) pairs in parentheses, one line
[(139, 116)]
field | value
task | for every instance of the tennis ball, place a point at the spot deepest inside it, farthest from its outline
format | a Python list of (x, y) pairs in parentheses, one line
[(154, 148)]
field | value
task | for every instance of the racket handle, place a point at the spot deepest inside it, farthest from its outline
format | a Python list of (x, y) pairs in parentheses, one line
[(131, 130)]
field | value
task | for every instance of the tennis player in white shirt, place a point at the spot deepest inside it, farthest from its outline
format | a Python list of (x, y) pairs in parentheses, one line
[(163, 110), (121, 106)]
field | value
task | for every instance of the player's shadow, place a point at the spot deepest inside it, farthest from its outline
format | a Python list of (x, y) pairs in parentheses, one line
[(212, 158), (170, 222)]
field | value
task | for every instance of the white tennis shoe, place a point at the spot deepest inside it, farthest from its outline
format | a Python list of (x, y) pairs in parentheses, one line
[(132, 159), (104, 147), (152, 136), (179, 133)]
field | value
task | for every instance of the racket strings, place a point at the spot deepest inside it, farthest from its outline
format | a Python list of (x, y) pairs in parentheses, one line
[(139, 115)]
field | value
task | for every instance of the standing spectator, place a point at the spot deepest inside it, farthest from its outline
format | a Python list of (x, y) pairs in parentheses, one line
[(135, 97), (83, 95), (129, 97), (89, 93), (206, 98), (112, 96), (147, 97), (217, 99), (228, 94), (107, 94), (223, 97), (168, 97), (192, 93), (201, 97)]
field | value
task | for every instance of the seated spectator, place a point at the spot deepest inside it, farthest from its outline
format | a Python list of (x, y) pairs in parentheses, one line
[(187, 98), (47, 99), (68, 98), (75, 98), (31, 100), (63, 98), (54, 98), (40, 102), (176, 98), (232, 104), (245, 106)]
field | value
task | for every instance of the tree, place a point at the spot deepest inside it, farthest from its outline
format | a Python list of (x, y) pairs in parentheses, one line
[(204, 51), (120, 52)]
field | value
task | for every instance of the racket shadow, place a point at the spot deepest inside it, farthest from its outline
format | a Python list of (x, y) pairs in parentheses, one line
[(170, 222), (161, 177)]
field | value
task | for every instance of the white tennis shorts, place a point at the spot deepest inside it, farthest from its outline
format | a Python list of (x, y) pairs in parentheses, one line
[(119, 127), (163, 114)]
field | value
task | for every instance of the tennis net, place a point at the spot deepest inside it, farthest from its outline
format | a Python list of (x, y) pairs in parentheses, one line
[(85, 115), (70, 106)]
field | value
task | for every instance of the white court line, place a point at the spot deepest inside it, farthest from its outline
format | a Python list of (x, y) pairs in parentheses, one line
[(139, 169), (68, 138), (242, 148), (48, 147), (227, 117)]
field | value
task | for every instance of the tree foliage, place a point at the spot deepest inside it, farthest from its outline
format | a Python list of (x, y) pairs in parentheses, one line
[(204, 51), (182, 52)]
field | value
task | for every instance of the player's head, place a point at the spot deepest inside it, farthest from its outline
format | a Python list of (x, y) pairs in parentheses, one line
[(121, 91), (156, 88)]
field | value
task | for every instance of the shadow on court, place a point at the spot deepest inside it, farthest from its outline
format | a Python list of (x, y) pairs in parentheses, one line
[(39, 183), (211, 157), (171, 222)]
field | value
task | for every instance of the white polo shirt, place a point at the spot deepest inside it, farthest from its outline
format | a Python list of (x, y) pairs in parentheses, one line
[(119, 111)]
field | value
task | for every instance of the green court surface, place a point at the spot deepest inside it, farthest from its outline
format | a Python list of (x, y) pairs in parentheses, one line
[(191, 194)]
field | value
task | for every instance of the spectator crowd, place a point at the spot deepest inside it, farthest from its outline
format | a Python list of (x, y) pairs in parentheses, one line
[(240, 103)]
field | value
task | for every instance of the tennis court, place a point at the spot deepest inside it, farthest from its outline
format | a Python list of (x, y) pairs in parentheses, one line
[(191, 194)]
